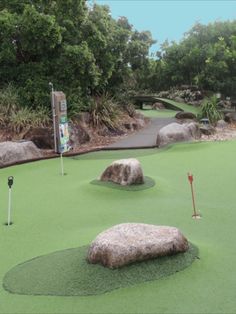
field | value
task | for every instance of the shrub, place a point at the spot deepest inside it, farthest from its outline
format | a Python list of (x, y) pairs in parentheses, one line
[(209, 110), (8, 103), (25, 118), (130, 109), (17, 118), (41, 117), (20, 120), (104, 111)]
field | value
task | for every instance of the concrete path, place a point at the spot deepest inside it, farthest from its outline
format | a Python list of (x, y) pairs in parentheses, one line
[(145, 137)]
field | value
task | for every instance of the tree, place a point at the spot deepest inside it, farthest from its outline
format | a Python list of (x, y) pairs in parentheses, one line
[(82, 49), (205, 56)]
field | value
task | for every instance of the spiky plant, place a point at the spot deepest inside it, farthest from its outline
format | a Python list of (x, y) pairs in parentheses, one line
[(209, 110), (104, 111)]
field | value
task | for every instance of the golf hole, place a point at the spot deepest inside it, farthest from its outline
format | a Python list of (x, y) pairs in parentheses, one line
[(197, 217), (6, 224)]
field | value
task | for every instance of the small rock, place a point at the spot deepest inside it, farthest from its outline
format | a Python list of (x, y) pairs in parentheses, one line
[(134, 242), (207, 130), (221, 124), (105, 131), (179, 99), (140, 123), (158, 106), (185, 115), (230, 117), (124, 172), (128, 126)]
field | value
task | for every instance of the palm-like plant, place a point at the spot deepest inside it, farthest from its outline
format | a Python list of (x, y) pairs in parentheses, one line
[(104, 111), (209, 110)]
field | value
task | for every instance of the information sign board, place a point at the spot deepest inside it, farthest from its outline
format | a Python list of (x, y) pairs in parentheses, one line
[(61, 128)]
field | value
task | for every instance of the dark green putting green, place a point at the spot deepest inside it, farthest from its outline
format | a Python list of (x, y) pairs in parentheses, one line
[(148, 183), (67, 273)]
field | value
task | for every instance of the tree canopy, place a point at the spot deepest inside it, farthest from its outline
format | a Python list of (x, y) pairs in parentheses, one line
[(206, 57), (85, 52), (81, 49)]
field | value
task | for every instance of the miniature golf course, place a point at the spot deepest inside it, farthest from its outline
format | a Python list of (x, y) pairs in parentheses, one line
[(172, 107), (175, 105), (56, 217)]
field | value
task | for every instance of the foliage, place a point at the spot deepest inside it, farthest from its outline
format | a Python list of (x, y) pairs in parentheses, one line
[(123, 99), (209, 110), (80, 48), (205, 57), (85, 52), (8, 102), (104, 111), (17, 118)]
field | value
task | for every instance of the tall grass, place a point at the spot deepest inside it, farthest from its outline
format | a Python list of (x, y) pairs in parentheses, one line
[(16, 118), (209, 110), (104, 111)]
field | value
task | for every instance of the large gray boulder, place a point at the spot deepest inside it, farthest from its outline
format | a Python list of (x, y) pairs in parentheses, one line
[(132, 242), (175, 132), (124, 172), (13, 152)]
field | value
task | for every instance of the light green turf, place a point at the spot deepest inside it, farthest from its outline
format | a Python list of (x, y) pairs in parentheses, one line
[(168, 113), (182, 106), (67, 273), (53, 213), (162, 113)]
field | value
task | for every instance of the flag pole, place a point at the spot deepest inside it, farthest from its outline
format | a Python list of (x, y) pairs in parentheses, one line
[(10, 183), (62, 164), (195, 214)]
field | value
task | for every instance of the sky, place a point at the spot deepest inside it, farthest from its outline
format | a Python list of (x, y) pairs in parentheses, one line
[(170, 19)]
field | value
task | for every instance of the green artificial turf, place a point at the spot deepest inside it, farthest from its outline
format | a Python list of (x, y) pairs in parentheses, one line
[(53, 213), (148, 183), (162, 113), (67, 273), (177, 105), (170, 112)]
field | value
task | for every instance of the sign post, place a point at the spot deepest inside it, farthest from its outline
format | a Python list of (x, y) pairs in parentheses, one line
[(10, 183), (60, 124), (53, 116), (195, 215), (62, 165)]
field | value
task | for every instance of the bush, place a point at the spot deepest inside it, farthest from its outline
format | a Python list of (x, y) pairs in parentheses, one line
[(104, 111), (25, 118), (125, 103), (209, 110), (17, 118), (8, 103)]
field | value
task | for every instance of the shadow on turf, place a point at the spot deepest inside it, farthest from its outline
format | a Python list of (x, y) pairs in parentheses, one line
[(67, 273), (148, 183)]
